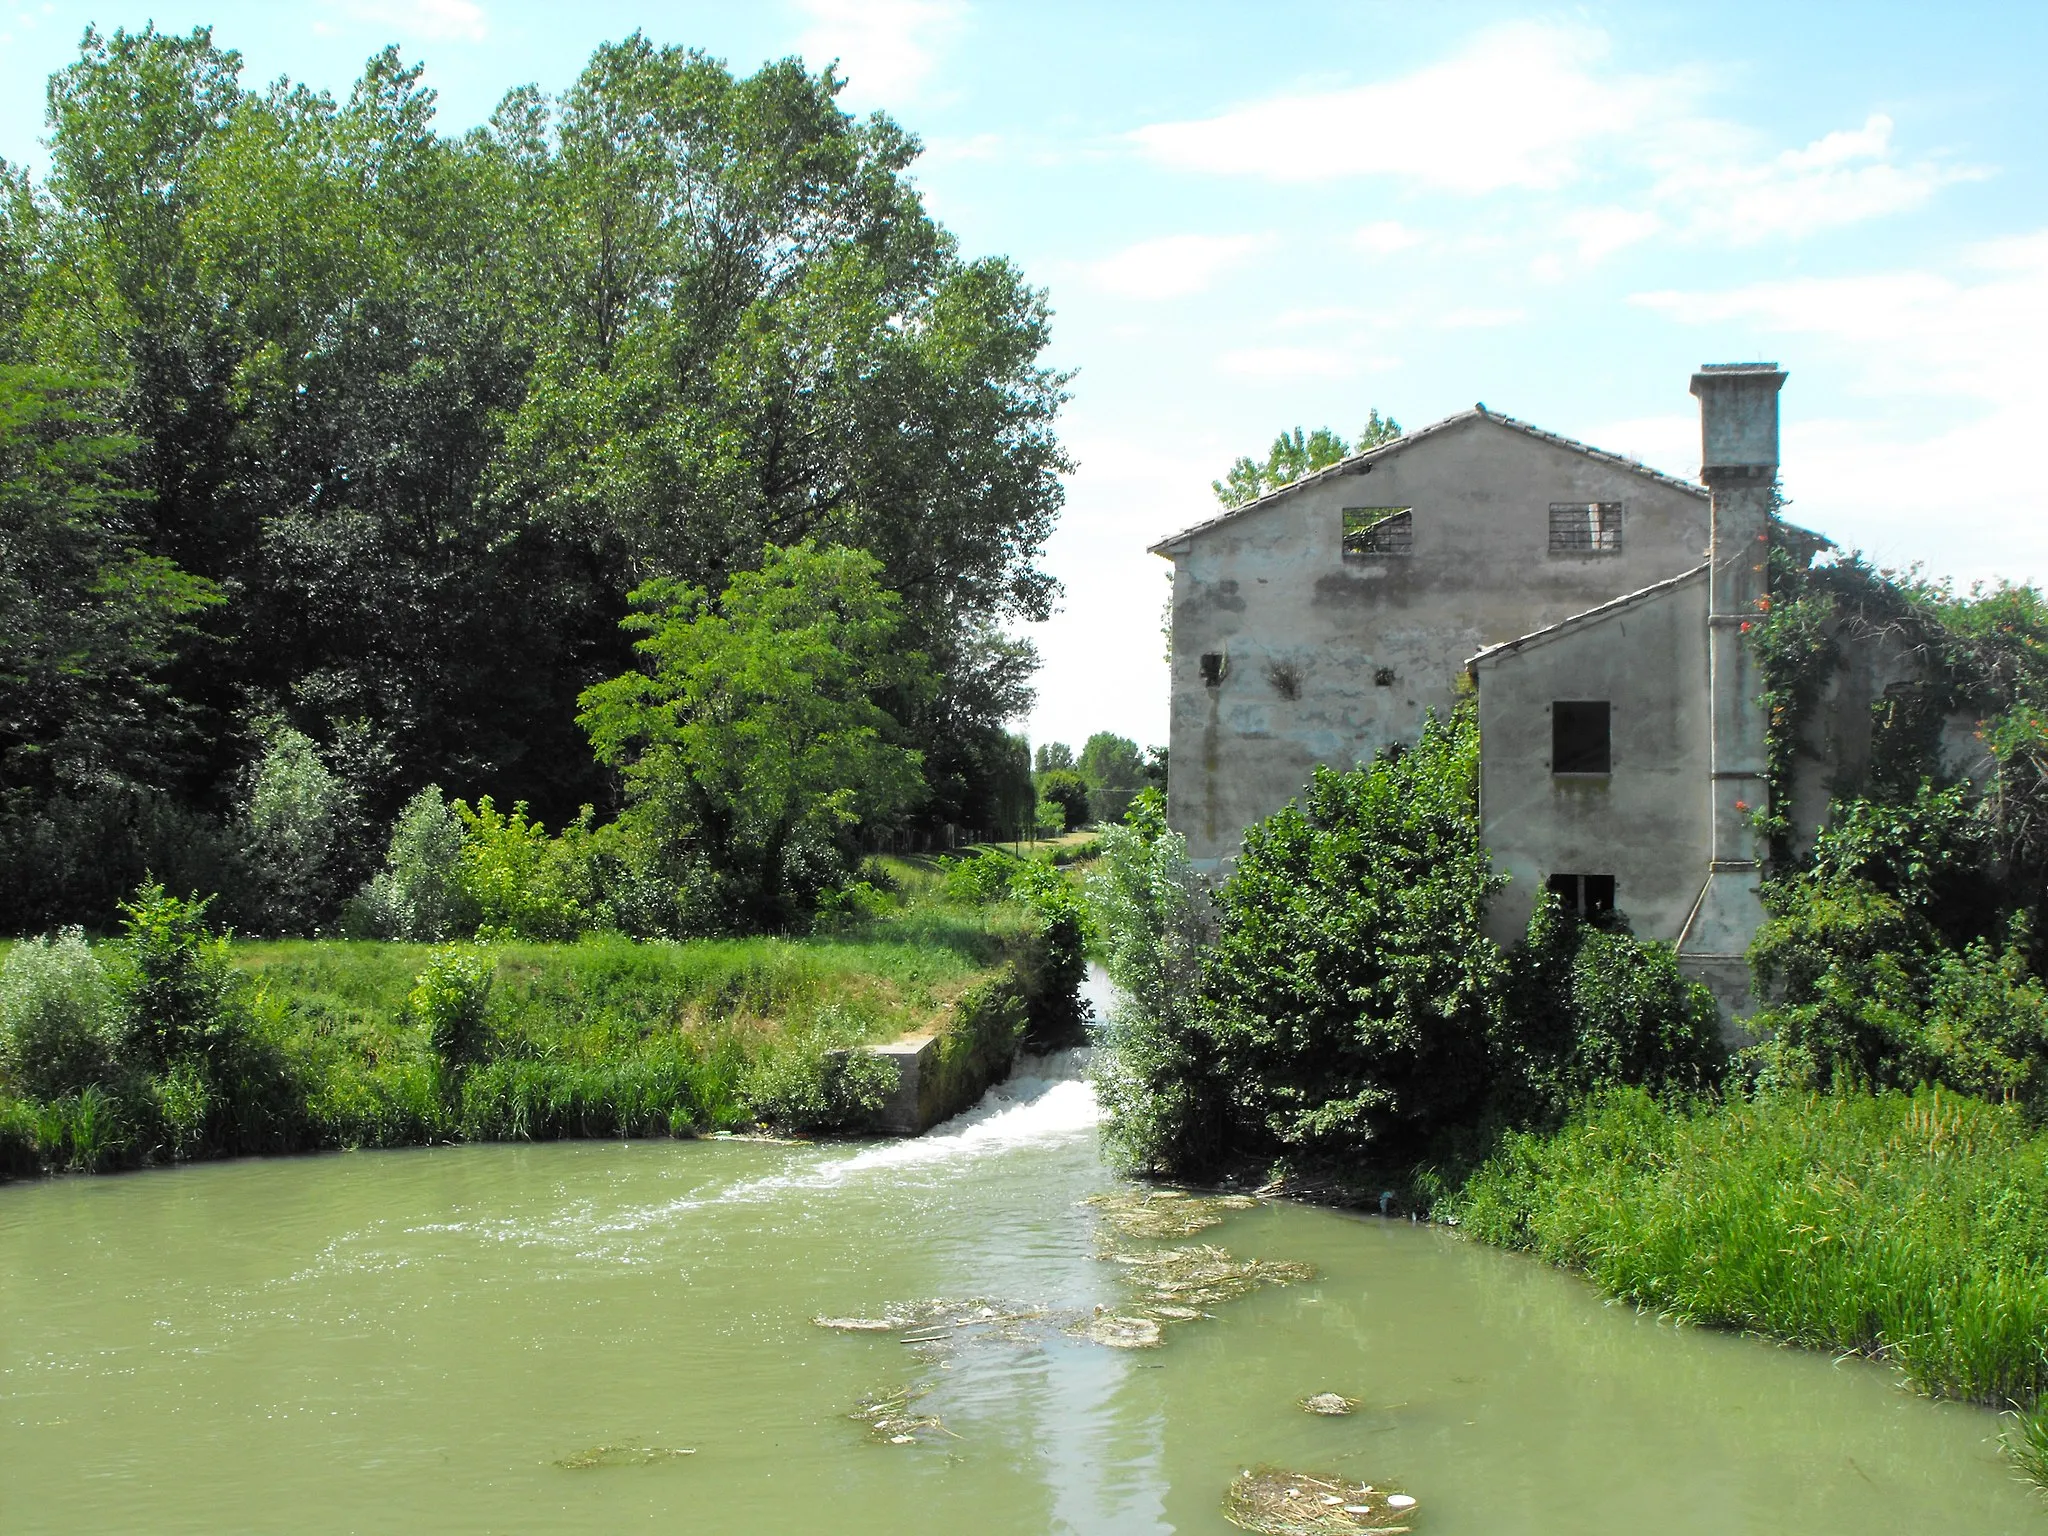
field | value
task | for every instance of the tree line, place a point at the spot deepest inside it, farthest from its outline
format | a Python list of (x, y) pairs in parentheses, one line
[(334, 450)]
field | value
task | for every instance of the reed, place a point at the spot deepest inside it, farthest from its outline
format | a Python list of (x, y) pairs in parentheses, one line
[(1910, 1228)]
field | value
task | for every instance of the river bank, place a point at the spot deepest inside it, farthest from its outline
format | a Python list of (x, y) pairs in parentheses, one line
[(324, 1044)]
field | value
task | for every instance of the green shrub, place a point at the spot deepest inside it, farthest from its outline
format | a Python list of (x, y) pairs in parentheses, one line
[(980, 876), (296, 814), (818, 1079), (450, 1002), (418, 895), (180, 981), (59, 1017), (1163, 1100), (184, 1098), (1350, 986), (521, 883), (1587, 1007)]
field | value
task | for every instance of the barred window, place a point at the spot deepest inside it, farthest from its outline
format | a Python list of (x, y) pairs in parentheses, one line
[(1585, 527), (1370, 532)]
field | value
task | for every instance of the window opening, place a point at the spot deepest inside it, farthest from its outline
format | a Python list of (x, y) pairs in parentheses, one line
[(1383, 677), (1585, 527), (1580, 738), (1213, 668), (1370, 532), (1584, 895)]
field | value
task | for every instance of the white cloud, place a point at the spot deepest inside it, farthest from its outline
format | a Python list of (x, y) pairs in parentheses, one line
[(1173, 266), (1290, 363), (886, 48), (1941, 468), (1541, 108), (1840, 178), (1519, 107), (1384, 237), (1476, 318), (436, 20)]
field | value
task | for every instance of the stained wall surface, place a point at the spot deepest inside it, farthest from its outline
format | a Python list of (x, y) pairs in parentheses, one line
[(1648, 821), (1327, 658)]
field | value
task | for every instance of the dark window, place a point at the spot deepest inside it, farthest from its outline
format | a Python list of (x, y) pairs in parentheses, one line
[(1584, 895), (1579, 738), (1213, 668), (1370, 532), (1383, 677), (1585, 527)]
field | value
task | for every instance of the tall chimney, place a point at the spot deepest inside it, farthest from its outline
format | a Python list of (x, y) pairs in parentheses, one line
[(1739, 440)]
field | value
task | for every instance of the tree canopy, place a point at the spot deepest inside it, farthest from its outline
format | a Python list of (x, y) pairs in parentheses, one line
[(376, 427), (1295, 454)]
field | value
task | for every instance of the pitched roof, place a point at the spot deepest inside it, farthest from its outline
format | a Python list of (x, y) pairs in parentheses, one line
[(1606, 610), (1359, 463)]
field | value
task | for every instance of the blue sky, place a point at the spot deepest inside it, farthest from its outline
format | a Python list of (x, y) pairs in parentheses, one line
[(1253, 217)]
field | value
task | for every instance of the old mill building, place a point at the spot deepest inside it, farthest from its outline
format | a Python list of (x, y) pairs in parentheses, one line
[(1600, 607)]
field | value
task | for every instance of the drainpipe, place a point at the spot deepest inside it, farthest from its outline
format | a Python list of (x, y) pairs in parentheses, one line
[(1739, 465)]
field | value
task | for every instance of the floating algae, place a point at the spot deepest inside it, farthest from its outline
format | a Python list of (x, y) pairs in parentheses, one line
[(1276, 1502), (1199, 1275), (621, 1456), (1329, 1403), (941, 1322), (891, 1421), (1119, 1330), (1154, 1213)]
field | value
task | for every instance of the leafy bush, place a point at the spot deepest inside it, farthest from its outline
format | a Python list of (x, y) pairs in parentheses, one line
[(296, 815), (820, 1079), (59, 1017), (521, 883), (1587, 1007), (980, 876), (1350, 987), (180, 982), (418, 895), (449, 1002), (1164, 1103)]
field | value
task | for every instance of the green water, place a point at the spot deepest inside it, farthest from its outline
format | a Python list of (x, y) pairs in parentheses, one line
[(414, 1341)]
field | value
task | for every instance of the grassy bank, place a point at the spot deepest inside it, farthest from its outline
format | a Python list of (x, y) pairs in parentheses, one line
[(1911, 1228), (326, 1045)]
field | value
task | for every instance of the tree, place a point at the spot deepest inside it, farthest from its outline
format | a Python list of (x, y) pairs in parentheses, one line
[(1066, 789), (89, 624), (1295, 454), (754, 741), (1051, 755), (1114, 771)]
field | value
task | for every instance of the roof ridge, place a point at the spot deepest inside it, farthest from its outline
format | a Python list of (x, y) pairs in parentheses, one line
[(1589, 615), (1351, 465)]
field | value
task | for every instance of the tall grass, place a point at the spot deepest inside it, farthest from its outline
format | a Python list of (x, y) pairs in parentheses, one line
[(1912, 1228)]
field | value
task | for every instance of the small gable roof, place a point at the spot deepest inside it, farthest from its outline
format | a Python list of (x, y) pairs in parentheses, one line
[(1591, 616), (1359, 463)]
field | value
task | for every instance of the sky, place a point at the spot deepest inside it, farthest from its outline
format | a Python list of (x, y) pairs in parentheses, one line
[(1249, 218)]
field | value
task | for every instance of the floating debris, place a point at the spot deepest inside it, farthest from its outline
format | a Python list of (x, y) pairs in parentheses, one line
[(1154, 1213), (1276, 1502), (1331, 1403), (942, 1321), (1118, 1330), (1200, 1275), (890, 1420), (621, 1456)]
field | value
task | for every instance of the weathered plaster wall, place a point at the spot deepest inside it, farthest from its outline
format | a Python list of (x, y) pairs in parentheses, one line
[(1648, 822), (1272, 591)]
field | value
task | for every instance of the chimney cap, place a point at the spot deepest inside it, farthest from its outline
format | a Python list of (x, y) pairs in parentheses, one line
[(1738, 368), (1738, 416)]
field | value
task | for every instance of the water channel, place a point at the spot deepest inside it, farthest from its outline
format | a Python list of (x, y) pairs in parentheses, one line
[(513, 1338)]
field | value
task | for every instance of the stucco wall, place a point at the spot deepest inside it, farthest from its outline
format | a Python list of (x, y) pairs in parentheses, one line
[(1271, 589), (1648, 822)]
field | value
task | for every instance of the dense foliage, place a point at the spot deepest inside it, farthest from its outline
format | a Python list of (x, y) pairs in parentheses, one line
[(1905, 945), (331, 448), (1338, 1001)]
